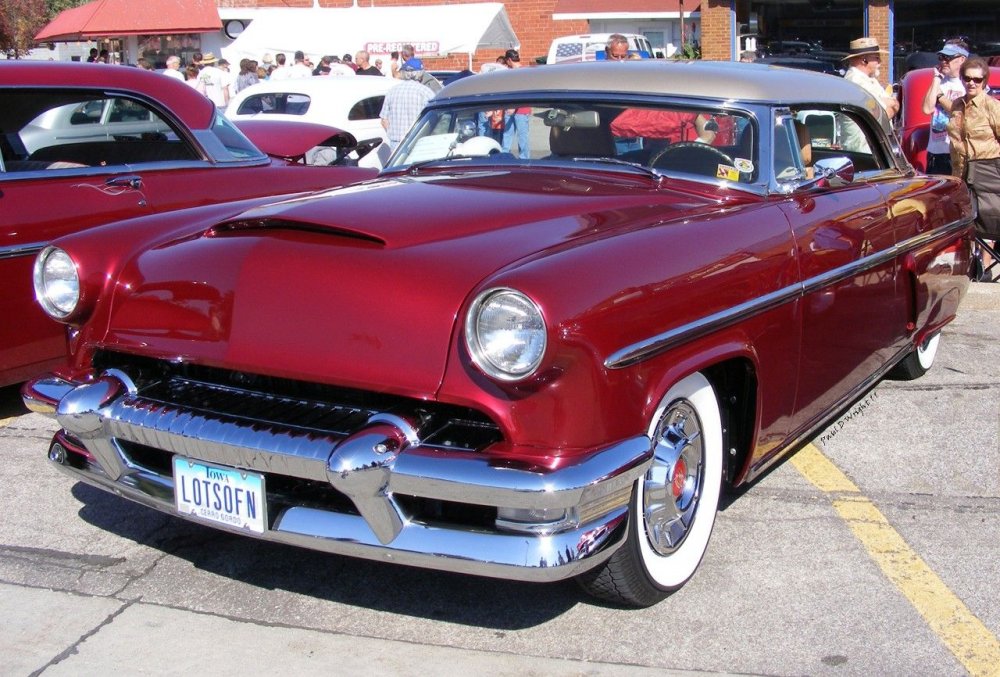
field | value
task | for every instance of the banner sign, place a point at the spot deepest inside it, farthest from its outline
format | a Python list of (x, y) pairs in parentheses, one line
[(425, 47)]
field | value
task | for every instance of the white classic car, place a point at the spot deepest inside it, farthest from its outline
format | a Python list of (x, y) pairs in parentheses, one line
[(349, 103)]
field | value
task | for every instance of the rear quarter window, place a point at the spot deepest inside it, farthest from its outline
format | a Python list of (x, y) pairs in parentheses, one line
[(275, 104), (367, 109)]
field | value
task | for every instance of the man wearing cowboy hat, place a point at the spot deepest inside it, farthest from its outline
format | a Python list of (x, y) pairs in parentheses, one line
[(864, 58)]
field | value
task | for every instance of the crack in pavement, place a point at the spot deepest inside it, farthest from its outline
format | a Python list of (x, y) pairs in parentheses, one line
[(72, 649)]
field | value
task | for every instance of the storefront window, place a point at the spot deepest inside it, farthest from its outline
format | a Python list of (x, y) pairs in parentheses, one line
[(156, 48)]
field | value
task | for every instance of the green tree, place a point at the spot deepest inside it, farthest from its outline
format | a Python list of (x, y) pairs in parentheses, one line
[(20, 21)]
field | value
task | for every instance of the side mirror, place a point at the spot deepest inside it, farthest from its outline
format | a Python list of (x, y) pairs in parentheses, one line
[(836, 171)]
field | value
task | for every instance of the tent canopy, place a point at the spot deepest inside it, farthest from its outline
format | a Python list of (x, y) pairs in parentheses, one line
[(105, 18), (431, 29)]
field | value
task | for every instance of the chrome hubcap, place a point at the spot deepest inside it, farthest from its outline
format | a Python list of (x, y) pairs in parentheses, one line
[(672, 486)]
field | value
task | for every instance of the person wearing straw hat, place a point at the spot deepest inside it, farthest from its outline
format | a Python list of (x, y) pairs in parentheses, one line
[(212, 81), (864, 59)]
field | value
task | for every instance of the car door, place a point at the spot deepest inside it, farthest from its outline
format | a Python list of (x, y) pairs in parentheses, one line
[(67, 169), (851, 306), (39, 206)]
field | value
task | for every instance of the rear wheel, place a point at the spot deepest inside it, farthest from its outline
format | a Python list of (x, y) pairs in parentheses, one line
[(919, 362), (673, 505)]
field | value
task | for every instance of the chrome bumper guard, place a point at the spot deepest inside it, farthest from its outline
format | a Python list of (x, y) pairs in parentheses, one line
[(588, 498)]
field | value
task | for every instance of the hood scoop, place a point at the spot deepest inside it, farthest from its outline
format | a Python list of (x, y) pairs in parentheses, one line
[(255, 226)]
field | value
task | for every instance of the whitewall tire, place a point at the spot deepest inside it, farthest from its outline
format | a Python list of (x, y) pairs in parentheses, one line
[(673, 505)]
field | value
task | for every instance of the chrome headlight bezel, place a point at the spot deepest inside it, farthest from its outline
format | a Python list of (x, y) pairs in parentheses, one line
[(57, 282), (528, 331)]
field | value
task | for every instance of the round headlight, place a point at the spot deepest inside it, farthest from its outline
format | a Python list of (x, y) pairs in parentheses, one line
[(57, 284), (505, 334)]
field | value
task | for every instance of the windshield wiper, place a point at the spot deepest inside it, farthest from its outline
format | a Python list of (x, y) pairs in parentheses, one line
[(635, 166), (417, 166)]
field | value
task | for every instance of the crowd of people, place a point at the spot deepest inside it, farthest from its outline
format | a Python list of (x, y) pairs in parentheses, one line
[(964, 135), (217, 80)]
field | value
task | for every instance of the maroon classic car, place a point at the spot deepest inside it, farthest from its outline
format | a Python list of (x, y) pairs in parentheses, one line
[(535, 368), (86, 144)]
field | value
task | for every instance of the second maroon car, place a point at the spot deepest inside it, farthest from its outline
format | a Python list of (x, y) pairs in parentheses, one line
[(86, 144)]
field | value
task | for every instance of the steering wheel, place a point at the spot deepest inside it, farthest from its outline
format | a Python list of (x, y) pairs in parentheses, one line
[(693, 157)]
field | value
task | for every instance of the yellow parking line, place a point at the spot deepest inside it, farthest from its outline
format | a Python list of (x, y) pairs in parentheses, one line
[(966, 637)]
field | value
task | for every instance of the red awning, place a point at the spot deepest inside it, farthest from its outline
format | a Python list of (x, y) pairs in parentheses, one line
[(106, 18), (630, 7)]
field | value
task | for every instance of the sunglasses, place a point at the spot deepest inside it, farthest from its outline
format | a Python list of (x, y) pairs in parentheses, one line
[(971, 80), (945, 57)]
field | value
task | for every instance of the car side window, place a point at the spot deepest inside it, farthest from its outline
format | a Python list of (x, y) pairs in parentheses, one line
[(90, 132), (367, 109), (836, 133), (275, 104)]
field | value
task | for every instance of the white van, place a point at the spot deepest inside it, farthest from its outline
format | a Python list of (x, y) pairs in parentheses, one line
[(590, 47)]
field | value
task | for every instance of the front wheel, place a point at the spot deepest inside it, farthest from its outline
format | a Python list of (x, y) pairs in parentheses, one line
[(673, 505)]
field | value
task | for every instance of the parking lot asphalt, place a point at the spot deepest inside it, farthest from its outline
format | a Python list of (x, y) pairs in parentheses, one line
[(873, 550)]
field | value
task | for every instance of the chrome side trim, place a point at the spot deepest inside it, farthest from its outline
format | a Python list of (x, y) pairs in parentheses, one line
[(15, 251), (654, 345)]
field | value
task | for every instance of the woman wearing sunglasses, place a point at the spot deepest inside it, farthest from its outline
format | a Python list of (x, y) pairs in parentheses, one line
[(974, 131), (974, 128)]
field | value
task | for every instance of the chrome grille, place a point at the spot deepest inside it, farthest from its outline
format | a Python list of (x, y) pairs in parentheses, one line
[(293, 405)]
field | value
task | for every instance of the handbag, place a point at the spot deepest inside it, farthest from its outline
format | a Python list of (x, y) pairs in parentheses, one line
[(983, 177)]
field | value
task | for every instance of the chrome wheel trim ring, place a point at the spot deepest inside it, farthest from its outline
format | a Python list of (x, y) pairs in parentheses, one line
[(927, 350), (672, 487)]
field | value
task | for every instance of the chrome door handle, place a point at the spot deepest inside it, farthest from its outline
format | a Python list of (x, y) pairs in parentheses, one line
[(133, 182)]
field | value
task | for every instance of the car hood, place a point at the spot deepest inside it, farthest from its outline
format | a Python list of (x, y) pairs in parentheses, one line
[(362, 286)]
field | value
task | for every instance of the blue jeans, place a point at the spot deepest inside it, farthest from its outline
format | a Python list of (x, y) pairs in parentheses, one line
[(518, 122), (483, 127)]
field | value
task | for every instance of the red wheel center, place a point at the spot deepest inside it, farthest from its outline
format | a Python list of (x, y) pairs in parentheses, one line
[(680, 476)]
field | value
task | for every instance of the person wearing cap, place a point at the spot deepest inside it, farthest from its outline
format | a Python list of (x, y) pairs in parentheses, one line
[(404, 102), (945, 87), (864, 59)]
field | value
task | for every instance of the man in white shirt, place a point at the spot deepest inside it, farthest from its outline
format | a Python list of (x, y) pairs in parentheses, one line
[(173, 69), (281, 70), (944, 88), (212, 81), (299, 69)]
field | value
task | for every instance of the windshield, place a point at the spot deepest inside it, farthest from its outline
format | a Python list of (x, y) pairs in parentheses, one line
[(719, 144)]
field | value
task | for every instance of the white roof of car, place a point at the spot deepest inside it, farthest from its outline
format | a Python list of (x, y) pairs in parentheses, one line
[(321, 85), (701, 79)]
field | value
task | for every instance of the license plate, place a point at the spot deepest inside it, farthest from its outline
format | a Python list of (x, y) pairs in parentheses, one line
[(226, 496)]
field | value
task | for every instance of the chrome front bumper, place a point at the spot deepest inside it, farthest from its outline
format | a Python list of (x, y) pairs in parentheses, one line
[(371, 467)]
